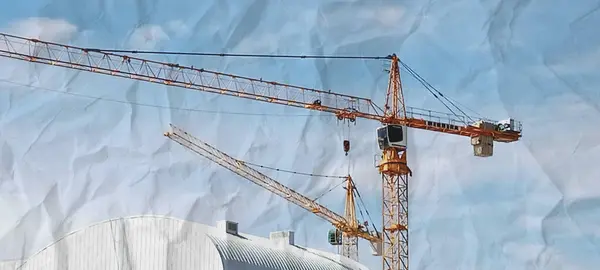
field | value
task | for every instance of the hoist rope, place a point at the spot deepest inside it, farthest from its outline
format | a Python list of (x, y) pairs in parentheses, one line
[(296, 56), (365, 207), (292, 172), (329, 190)]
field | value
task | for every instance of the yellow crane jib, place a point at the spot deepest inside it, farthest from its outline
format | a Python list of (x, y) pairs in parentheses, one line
[(238, 167)]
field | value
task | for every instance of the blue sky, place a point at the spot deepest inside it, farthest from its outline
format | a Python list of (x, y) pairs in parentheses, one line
[(69, 160)]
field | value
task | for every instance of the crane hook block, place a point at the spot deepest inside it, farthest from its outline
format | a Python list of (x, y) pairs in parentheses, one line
[(346, 146)]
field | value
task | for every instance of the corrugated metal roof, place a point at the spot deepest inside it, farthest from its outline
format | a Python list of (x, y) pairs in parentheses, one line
[(156, 242), (244, 251)]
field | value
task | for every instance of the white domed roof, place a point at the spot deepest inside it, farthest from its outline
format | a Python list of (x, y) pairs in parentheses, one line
[(156, 242)]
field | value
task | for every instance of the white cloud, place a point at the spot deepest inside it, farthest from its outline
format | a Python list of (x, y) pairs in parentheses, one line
[(147, 37), (54, 30), (179, 28), (389, 16)]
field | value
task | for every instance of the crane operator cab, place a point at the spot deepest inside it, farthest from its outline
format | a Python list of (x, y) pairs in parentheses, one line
[(334, 237), (392, 136)]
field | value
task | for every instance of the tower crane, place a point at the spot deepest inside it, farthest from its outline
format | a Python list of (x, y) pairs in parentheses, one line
[(395, 116), (347, 224)]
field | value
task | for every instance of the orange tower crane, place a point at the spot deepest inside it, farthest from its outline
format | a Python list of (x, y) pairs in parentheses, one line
[(395, 118)]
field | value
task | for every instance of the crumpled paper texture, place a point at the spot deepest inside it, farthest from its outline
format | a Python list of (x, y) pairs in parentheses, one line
[(78, 148)]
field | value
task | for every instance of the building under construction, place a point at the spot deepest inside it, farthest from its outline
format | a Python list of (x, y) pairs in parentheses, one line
[(157, 243)]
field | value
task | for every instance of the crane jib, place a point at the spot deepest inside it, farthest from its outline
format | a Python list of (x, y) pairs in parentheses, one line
[(239, 167), (344, 106)]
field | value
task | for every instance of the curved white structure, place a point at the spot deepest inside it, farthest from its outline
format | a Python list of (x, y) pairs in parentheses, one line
[(155, 242)]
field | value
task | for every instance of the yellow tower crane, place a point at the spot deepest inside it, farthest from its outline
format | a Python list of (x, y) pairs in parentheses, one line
[(348, 225), (395, 117)]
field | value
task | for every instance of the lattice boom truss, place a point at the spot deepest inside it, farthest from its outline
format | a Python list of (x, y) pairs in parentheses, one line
[(343, 106), (174, 74), (240, 168)]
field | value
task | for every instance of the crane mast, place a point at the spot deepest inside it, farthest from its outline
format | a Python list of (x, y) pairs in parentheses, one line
[(350, 240), (395, 173), (396, 117)]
